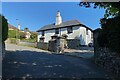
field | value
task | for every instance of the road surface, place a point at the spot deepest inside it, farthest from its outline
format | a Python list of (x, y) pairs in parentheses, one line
[(27, 62)]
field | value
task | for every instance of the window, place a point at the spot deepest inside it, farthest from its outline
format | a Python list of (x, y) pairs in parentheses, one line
[(42, 33), (41, 39), (56, 31), (86, 31), (69, 29)]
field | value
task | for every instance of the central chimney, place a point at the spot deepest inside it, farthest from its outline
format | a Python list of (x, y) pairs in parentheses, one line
[(58, 18)]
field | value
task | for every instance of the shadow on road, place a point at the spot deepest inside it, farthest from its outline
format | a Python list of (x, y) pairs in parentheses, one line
[(36, 65)]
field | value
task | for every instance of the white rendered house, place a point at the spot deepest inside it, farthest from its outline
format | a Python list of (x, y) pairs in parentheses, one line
[(73, 29)]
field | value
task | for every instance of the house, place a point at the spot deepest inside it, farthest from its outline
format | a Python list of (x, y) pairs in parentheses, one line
[(28, 34), (11, 27), (73, 29)]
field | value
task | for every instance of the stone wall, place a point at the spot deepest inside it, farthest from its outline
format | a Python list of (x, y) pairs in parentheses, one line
[(106, 58), (31, 44), (57, 45), (19, 42), (3, 49), (42, 45), (73, 43), (12, 40), (52, 45)]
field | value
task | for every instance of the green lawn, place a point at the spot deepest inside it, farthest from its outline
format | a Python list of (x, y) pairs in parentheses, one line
[(28, 40)]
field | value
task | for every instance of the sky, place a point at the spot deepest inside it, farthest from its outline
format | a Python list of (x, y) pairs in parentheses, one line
[(35, 15)]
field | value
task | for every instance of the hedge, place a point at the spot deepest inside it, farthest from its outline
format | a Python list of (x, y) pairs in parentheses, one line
[(4, 28), (110, 34)]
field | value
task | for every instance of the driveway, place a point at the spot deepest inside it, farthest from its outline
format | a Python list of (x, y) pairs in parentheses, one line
[(27, 62)]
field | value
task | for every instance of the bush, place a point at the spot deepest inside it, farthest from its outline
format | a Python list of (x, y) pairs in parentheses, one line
[(4, 28), (110, 34), (28, 40), (12, 33), (33, 35), (22, 35), (14, 40)]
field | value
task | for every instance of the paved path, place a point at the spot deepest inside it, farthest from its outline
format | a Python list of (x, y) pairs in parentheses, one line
[(27, 62)]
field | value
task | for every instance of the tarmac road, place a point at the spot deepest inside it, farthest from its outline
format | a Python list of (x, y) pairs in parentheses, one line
[(27, 62)]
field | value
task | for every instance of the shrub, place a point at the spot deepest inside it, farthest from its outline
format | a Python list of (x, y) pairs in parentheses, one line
[(4, 28), (12, 33), (110, 34), (33, 35), (14, 40), (22, 35)]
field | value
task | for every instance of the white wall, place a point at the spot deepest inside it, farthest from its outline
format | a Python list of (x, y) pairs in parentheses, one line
[(73, 35), (39, 35), (48, 35), (79, 32), (82, 36), (88, 38)]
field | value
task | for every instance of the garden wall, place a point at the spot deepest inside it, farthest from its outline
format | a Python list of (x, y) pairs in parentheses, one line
[(73, 43), (106, 58), (42, 45), (19, 42), (31, 44)]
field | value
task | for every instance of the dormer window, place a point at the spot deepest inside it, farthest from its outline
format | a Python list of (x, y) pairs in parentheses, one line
[(69, 29)]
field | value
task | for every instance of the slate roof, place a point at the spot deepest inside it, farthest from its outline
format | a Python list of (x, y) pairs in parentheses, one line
[(62, 25)]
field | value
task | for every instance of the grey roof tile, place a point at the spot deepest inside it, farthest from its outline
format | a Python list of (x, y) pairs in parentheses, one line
[(63, 24)]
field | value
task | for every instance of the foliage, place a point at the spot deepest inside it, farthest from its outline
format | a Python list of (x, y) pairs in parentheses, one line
[(28, 40), (33, 35), (111, 8), (109, 35), (22, 35), (4, 28), (14, 40), (12, 33)]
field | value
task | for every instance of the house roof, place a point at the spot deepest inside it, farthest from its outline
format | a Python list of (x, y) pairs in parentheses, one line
[(62, 25), (11, 26)]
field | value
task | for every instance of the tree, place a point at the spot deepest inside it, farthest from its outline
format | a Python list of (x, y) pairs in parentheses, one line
[(22, 35), (111, 8), (33, 35), (109, 35), (12, 33), (26, 29), (4, 28)]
